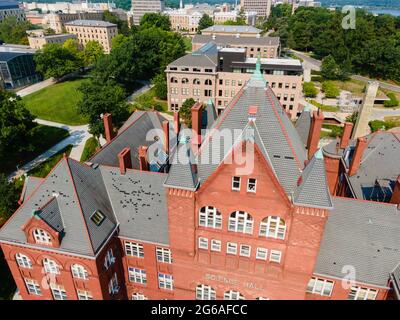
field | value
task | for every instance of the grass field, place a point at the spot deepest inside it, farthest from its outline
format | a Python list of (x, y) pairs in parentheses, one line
[(324, 107), (57, 103), (148, 100), (89, 149), (188, 43)]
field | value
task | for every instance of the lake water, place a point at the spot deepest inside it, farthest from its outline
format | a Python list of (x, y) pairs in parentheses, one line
[(394, 12)]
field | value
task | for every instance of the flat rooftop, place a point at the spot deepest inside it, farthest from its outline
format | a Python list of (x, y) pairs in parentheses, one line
[(90, 23), (232, 50), (278, 62), (233, 29)]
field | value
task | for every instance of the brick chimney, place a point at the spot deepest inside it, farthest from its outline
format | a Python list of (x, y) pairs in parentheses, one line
[(108, 127), (315, 132), (396, 192), (176, 122), (348, 128), (165, 126), (125, 161), (357, 155), (196, 123), (143, 162)]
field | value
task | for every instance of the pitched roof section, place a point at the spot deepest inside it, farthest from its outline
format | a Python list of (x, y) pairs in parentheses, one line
[(233, 29), (303, 125), (228, 40), (210, 114), (50, 214), (361, 234), (30, 185), (312, 189)]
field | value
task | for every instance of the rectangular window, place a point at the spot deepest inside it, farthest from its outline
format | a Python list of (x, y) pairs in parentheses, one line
[(245, 250), (137, 275), (163, 255), (320, 286), (231, 248), (58, 292), (134, 249), (203, 243), (84, 295), (251, 185), (97, 217), (275, 256), (358, 293), (113, 287), (33, 287), (236, 183), (165, 281), (109, 259), (262, 254), (215, 245)]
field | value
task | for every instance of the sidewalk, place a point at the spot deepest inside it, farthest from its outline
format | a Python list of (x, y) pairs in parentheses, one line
[(35, 87)]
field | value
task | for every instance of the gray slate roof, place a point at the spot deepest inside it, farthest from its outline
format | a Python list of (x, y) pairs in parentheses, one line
[(90, 23), (362, 234), (196, 60), (51, 214), (303, 125), (233, 29), (226, 40), (30, 185)]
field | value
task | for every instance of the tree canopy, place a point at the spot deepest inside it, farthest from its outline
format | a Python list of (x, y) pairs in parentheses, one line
[(8, 199), (205, 22), (157, 20), (14, 31)]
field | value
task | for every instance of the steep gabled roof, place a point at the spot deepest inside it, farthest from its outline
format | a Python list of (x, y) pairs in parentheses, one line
[(30, 185), (303, 125), (50, 213)]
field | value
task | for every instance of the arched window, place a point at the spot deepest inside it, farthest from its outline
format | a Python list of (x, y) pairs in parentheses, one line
[(208, 82), (233, 295), (79, 271), (196, 81), (210, 217), (174, 80), (273, 227), (23, 261), (138, 296), (50, 266), (204, 292), (185, 80), (241, 221), (41, 236)]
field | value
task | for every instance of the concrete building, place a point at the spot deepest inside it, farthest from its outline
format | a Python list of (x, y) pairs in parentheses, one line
[(89, 30), (140, 7), (11, 9), (239, 31), (69, 7), (223, 16), (262, 7), (37, 39), (220, 73), (126, 227)]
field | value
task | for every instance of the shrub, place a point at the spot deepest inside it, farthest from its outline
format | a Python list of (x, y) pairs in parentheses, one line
[(330, 89), (393, 102), (309, 90)]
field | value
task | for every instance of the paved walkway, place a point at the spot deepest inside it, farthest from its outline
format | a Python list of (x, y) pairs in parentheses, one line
[(146, 87), (35, 87)]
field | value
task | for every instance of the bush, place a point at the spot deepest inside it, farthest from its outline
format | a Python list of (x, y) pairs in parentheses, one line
[(393, 102), (376, 125), (309, 90), (330, 89), (89, 149), (317, 79)]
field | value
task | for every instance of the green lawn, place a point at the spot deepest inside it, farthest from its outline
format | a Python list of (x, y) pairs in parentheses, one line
[(89, 149), (188, 43), (43, 138), (148, 100), (57, 103), (324, 107)]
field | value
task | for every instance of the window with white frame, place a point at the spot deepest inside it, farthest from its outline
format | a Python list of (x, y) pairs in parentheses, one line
[(137, 275), (359, 293), (204, 292), (236, 183), (251, 185), (109, 259), (233, 295), (41, 236), (320, 286), (231, 248), (50, 266), (79, 272), (113, 287), (165, 281), (203, 243), (23, 261), (84, 295), (215, 245), (275, 256), (262, 253), (210, 217), (134, 249), (240, 221), (58, 292), (245, 250), (33, 287), (138, 296), (273, 227), (163, 255)]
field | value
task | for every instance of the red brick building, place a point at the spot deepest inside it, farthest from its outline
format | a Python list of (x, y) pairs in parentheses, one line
[(249, 218)]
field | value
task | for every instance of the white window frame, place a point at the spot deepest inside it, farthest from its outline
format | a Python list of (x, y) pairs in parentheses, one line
[(134, 249), (137, 275), (41, 236), (84, 295), (216, 245), (245, 250), (23, 261), (320, 286), (262, 254), (233, 295), (51, 266), (33, 287), (231, 248), (356, 291), (273, 253), (203, 243), (238, 180), (252, 183), (273, 227), (138, 296), (58, 292), (165, 281), (242, 222), (210, 217), (79, 272), (205, 292), (163, 255)]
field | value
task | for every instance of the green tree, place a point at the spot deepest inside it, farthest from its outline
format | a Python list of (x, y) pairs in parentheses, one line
[(100, 98), (186, 111), (329, 68), (122, 25), (8, 199), (14, 31), (16, 123), (330, 89), (309, 90), (352, 118), (157, 20), (205, 22), (118, 40), (92, 52), (160, 86)]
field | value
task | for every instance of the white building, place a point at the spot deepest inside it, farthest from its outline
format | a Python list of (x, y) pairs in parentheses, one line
[(141, 7), (11, 9)]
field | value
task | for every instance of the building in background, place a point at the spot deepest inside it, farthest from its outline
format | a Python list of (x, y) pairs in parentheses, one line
[(37, 38), (140, 7), (239, 31), (89, 30), (11, 9), (262, 7), (69, 7)]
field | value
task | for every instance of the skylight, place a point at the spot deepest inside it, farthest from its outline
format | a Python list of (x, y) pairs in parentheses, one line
[(97, 217)]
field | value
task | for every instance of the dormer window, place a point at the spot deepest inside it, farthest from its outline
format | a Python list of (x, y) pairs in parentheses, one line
[(97, 217), (41, 237)]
